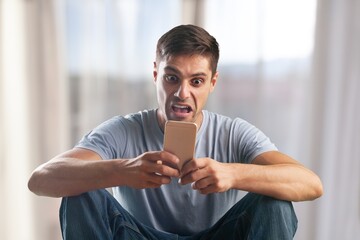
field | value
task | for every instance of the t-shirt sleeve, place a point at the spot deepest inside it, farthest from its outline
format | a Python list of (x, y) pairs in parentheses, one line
[(105, 139), (251, 141)]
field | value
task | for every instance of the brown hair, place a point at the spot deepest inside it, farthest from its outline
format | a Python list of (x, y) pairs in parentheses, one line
[(188, 39)]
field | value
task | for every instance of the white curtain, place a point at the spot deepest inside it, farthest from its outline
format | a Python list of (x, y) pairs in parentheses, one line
[(334, 121), (111, 49), (65, 66), (34, 113)]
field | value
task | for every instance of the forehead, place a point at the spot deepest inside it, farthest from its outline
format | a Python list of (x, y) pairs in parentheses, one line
[(186, 63)]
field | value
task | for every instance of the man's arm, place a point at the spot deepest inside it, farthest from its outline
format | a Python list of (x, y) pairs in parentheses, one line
[(271, 173), (80, 170)]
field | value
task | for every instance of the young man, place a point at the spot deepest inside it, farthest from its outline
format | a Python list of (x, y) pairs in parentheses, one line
[(156, 201)]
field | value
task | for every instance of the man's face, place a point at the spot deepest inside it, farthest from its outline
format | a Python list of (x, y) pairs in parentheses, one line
[(183, 84)]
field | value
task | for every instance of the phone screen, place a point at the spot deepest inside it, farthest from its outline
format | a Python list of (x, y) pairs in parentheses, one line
[(180, 140)]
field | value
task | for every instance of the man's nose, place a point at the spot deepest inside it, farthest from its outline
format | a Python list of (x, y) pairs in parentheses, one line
[(183, 91)]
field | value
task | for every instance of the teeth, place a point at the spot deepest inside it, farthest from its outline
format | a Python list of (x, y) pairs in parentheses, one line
[(183, 107)]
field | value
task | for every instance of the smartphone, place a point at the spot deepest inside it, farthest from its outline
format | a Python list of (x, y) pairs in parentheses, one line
[(179, 139)]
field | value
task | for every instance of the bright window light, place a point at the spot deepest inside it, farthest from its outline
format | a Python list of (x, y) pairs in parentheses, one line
[(261, 30)]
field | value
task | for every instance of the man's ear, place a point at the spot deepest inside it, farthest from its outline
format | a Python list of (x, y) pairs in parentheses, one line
[(213, 81), (155, 72)]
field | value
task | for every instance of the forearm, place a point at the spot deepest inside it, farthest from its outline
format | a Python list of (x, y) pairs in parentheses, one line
[(80, 170), (69, 176), (290, 182)]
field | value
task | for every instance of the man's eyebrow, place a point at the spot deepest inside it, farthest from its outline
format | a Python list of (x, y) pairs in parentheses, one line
[(176, 71), (172, 69)]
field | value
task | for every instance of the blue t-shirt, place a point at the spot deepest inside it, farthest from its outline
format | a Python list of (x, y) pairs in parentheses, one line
[(176, 208)]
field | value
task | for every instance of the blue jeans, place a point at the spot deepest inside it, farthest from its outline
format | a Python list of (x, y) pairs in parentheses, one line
[(98, 215)]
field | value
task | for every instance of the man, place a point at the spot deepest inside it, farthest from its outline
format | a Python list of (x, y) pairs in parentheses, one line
[(153, 200)]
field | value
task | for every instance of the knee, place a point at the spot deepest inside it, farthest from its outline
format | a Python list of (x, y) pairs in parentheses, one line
[(258, 206), (84, 202), (275, 207), (275, 218), (87, 215), (276, 211), (77, 201), (264, 207)]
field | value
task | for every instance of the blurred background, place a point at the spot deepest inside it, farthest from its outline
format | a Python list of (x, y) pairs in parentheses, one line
[(292, 68)]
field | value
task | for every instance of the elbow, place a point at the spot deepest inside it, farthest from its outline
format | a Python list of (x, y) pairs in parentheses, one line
[(309, 192), (37, 184), (318, 189), (40, 184), (33, 183), (314, 187)]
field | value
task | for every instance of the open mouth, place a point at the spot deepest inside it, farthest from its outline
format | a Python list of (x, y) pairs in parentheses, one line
[(181, 109)]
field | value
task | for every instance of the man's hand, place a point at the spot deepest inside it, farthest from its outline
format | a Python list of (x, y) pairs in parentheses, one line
[(150, 170), (81, 170), (271, 173), (207, 175)]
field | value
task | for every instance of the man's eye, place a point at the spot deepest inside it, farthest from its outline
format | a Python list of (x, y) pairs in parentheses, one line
[(171, 78), (197, 81)]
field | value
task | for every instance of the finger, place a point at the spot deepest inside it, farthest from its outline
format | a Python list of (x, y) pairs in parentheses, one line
[(158, 179), (208, 190), (162, 169), (190, 177), (190, 166), (209, 186), (164, 157), (159, 168), (152, 185), (202, 183)]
